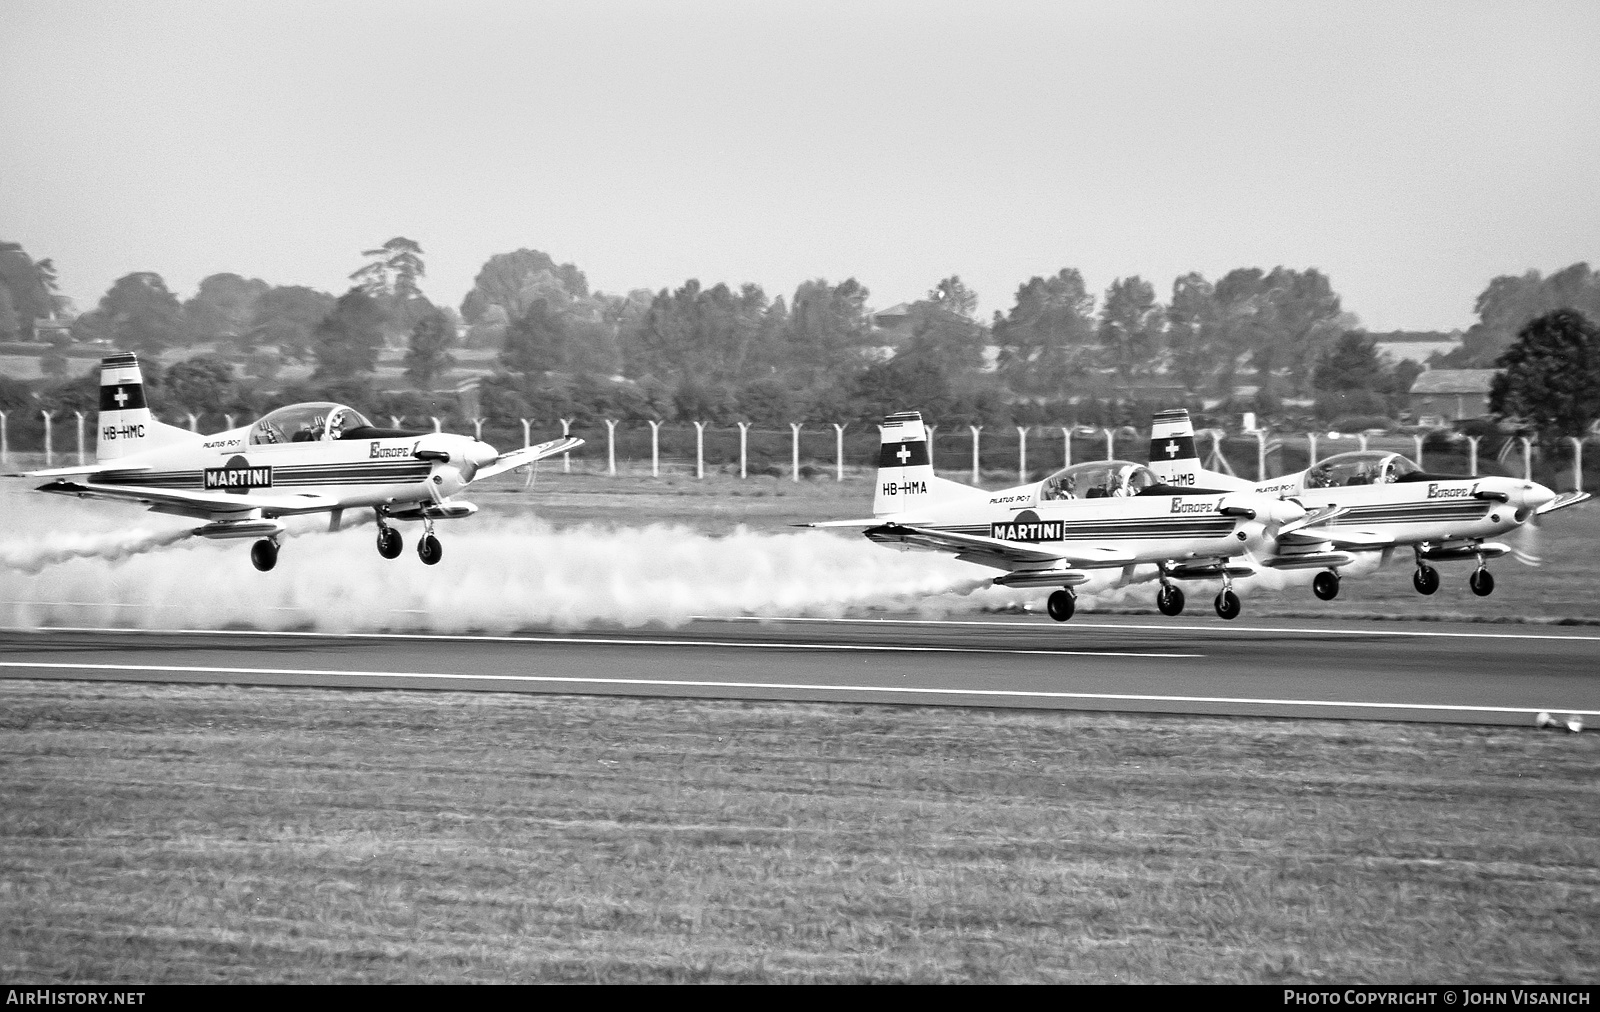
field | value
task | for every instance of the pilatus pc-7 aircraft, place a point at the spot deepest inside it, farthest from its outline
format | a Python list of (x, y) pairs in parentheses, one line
[(1110, 514), (306, 458), (1374, 501)]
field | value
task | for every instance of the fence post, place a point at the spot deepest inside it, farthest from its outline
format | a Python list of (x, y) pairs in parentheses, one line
[(49, 456), (611, 447), (527, 432), (396, 420), (1022, 454), (1527, 458), (194, 422), (931, 430), (655, 448), (700, 450), (1417, 438), (795, 428), (1111, 443), (1311, 439), (975, 430), (436, 426), (744, 437), (82, 457), (229, 420), (838, 451), (5, 443), (566, 458), (1261, 455), (1472, 455), (1066, 446), (477, 428)]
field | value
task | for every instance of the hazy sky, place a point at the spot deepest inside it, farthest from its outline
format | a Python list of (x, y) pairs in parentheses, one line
[(1410, 150)]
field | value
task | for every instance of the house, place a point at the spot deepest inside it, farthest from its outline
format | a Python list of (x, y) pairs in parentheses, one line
[(1442, 396)]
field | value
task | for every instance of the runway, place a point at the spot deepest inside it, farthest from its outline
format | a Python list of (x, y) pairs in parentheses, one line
[(1377, 670)]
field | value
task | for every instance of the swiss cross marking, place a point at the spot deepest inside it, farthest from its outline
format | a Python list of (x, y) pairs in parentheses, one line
[(121, 397), (904, 454), (1172, 448)]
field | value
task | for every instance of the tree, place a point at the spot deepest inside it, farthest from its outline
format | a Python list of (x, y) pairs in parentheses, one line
[(392, 269), (514, 280), (708, 334), (286, 318), (222, 308), (1550, 377), (347, 341), (950, 343), (899, 385), (1351, 363), (952, 296), (137, 314), (428, 353), (203, 384), (1045, 339), (827, 329), (9, 330), (537, 342), (1192, 319), (1130, 329), (28, 287), (1510, 302)]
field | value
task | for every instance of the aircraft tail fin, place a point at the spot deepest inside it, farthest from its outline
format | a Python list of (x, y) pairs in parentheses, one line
[(1172, 450), (905, 468), (126, 425)]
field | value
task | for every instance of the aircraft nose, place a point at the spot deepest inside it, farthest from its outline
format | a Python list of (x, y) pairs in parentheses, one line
[(1535, 495), (1284, 511)]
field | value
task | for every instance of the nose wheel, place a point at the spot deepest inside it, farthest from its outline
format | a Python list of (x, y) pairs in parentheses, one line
[(1425, 579), (264, 554), (389, 542), (1227, 605), (429, 550), (1169, 600), (1061, 605), (1481, 582), (1325, 585)]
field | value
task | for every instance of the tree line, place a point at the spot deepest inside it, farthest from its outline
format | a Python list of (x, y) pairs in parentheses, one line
[(1060, 353)]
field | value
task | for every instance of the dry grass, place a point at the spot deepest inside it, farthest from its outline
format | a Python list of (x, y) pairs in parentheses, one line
[(167, 833)]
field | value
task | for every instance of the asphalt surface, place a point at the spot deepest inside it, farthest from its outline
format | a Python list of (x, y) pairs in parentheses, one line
[(1464, 673)]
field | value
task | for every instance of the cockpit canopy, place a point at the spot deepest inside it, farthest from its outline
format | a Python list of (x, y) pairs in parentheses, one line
[(1360, 467), (314, 421), (1096, 479)]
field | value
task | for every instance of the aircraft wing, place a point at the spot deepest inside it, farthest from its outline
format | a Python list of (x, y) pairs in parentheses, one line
[(1340, 537), (1561, 502), (195, 504), (527, 455), (68, 472), (995, 552)]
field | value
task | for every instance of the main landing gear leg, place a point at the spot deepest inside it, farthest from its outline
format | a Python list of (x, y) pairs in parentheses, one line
[(1169, 599), (389, 541), (429, 549), (1062, 604), (1426, 578), (1227, 602), (1481, 581)]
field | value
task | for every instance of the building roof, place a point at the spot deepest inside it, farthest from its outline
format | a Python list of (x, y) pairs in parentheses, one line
[(1454, 381)]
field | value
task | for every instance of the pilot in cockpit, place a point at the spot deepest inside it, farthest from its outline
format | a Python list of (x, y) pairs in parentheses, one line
[(335, 424), (1062, 486)]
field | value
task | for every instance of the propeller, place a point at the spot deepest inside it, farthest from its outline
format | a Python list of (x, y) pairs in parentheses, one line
[(1525, 543)]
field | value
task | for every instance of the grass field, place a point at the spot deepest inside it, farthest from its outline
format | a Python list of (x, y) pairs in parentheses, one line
[(210, 834)]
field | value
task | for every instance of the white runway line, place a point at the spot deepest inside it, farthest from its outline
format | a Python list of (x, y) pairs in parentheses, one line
[(668, 683), (1160, 627), (619, 642)]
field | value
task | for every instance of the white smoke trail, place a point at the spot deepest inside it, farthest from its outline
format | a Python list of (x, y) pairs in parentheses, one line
[(31, 556)]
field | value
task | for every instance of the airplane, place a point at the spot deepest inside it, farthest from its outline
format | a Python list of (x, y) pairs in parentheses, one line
[(1374, 501), (1111, 514), (317, 457)]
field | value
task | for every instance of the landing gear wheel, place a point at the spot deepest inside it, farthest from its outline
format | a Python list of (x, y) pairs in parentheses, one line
[(1228, 606), (1061, 605), (1170, 601), (1325, 585), (389, 542), (429, 550), (1481, 582), (264, 554), (1425, 579)]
